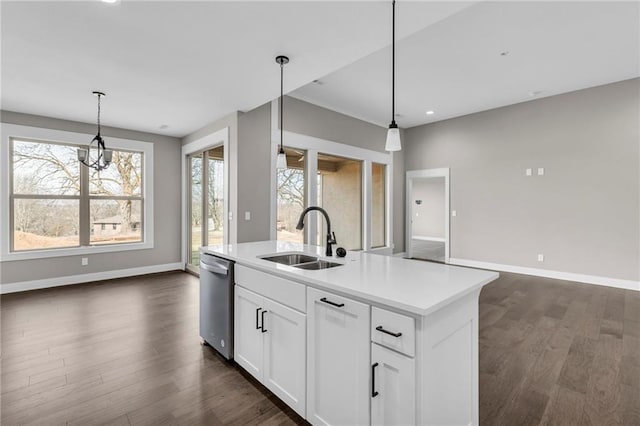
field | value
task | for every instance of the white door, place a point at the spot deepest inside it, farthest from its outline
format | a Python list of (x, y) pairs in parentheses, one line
[(285, 354), (393, 387), (338, 366), (248, 336)]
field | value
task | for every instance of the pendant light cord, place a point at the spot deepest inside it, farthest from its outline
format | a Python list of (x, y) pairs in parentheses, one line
[(281, 103), (99, 115), (393, 62)]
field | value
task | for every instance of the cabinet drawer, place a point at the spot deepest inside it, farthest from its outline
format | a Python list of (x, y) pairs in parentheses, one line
[(284, 291), (395, 331)]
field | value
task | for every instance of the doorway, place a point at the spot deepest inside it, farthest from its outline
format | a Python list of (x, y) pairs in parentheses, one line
[(427, 215)]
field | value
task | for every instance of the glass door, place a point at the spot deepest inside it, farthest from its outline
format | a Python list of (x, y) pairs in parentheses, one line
[(206, 202)]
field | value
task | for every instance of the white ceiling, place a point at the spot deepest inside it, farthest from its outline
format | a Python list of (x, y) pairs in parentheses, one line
[(183, 64), (455, 67), (186, 64)]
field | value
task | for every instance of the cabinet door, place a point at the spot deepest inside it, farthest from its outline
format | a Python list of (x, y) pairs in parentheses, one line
[(248, 347), (338, 342), (285, 354), (393, 384)]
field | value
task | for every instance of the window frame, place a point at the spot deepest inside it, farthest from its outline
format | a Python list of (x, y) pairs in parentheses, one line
[(313, 146), (10, 132)]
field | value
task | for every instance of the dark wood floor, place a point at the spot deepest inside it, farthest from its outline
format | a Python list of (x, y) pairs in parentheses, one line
[(127, 352)]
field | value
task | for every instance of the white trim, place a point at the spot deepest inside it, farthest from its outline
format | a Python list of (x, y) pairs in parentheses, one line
[(427, 173), (85, 278), (567, 276), (220, 137), (436, 239), (50, 135)]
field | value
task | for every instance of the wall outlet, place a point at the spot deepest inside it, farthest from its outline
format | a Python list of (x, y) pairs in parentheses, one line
[(528, 172), (454, 213), (247, 215), (541, 258), (84, 261), (540, 171)]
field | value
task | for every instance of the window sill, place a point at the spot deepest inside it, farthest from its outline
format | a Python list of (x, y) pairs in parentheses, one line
[(75, 251)]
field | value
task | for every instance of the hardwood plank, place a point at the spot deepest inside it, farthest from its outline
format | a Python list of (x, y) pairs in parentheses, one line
[(564, 409), (576, 368)]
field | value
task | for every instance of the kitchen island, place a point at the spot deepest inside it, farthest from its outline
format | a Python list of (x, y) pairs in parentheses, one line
[(373, 340)]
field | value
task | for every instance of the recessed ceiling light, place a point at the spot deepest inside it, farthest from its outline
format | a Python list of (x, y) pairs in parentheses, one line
[(318, 82), (430, 112), (505, 53), (163, 126), (535, 93), (111, 1)]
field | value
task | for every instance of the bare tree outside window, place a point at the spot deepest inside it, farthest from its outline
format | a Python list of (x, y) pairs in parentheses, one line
[(290, 197), (47, 194)]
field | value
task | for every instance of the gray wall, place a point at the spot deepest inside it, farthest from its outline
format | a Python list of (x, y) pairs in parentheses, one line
[(583, 214), (428, 217), (166, 155), (312, 120), (254, 174)]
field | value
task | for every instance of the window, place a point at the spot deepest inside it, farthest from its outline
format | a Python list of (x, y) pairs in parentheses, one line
[(378, 214), (351, 183), (290, 195), (340, 194), (57, 203)]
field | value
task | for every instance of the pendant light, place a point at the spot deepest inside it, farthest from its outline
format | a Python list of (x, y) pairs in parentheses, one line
[(102, 158), (281, 163), (393, 134)]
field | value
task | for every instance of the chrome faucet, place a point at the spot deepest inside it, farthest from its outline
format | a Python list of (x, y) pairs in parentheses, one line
[(331, 236)]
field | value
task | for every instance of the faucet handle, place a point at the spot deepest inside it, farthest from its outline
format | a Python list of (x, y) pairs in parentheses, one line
[(330, 239)]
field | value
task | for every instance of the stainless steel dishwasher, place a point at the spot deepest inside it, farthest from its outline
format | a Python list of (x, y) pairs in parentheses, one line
[(216, 303)]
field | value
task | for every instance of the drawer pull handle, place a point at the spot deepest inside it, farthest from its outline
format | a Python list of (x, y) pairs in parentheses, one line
[(390, 333), (337, 305), (264, 330), (374, 392), (257, 318)]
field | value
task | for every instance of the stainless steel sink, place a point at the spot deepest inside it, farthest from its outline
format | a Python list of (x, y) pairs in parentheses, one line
[(300, 260), (318, 264), (290, 259)]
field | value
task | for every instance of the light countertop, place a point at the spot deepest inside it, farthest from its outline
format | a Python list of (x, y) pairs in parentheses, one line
[(408, 285)]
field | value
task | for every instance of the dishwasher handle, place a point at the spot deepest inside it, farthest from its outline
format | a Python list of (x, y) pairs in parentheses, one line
[(216, 268)]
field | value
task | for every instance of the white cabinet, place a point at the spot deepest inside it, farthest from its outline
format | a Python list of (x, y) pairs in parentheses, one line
[(392, 387), (270, 344), (248, 345), (338, 368)]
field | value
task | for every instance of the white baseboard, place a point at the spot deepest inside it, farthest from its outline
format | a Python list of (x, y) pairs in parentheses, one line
[(85, 278), (418, 237), (567, 276)]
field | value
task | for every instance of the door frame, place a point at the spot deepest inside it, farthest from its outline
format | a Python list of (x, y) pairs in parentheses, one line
[(221, 137), (421, 174)]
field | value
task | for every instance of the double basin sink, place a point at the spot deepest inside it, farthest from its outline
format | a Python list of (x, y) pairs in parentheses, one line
[(300, 261)]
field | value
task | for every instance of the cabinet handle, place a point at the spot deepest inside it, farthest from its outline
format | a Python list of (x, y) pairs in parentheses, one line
[(337, 305), (264, 330), (390, 333), (257, 316), (374, 393)]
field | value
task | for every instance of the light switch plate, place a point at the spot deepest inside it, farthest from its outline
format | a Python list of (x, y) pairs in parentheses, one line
[(541, 258), (540, 171), (247, 215), (528, 172), (454, 213), (85, 261)]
